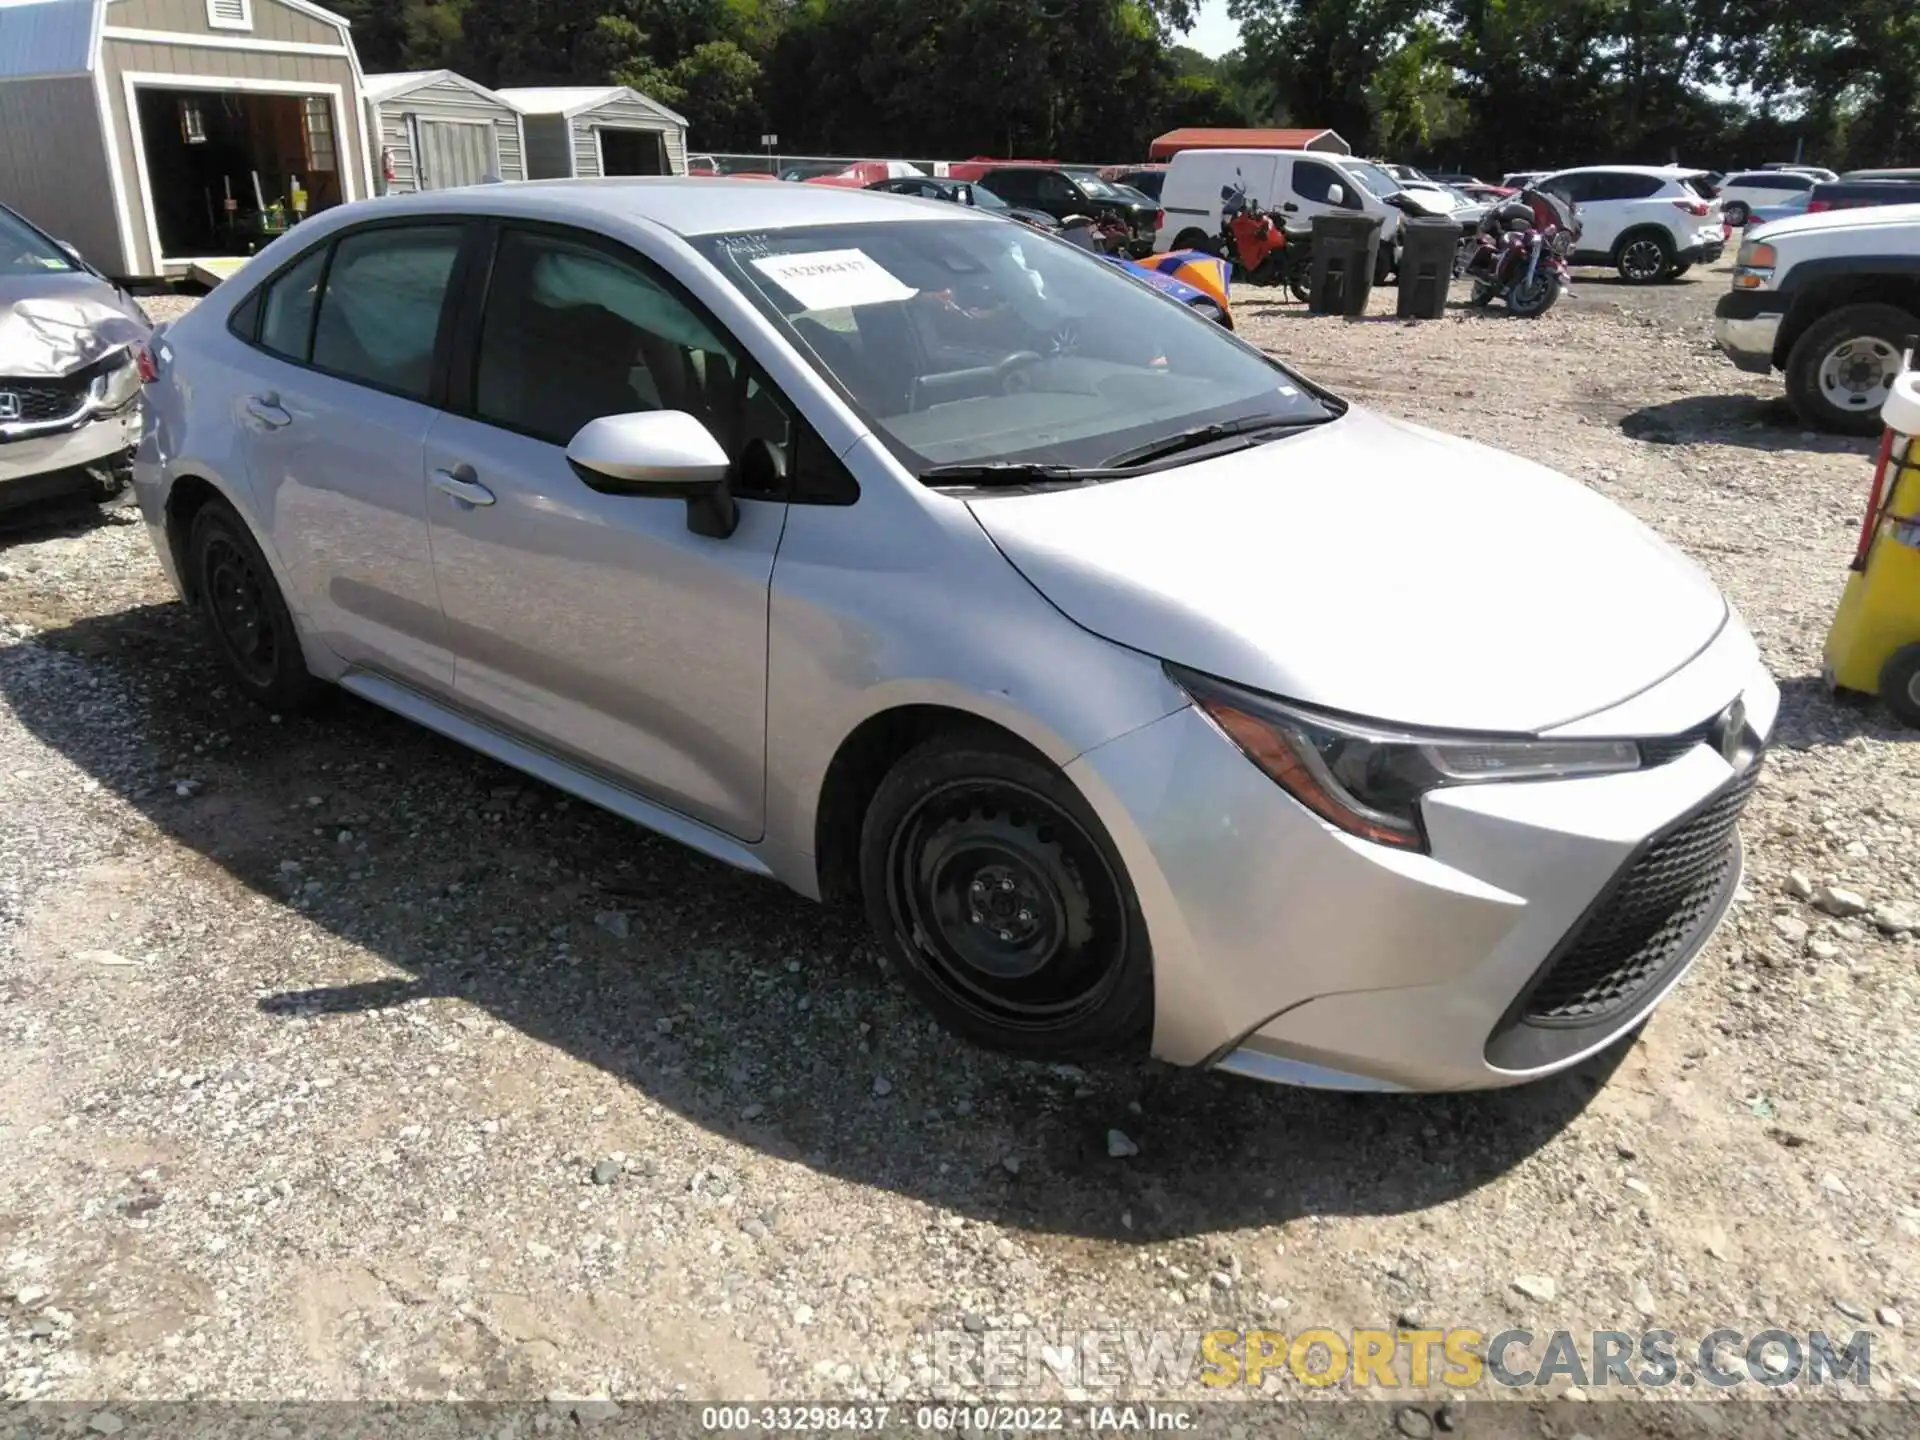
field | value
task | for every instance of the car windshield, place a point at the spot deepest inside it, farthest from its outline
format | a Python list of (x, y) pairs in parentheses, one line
[(1127, 192), (985, 199), (978, 344), (1373, 177), (25, 251), (1098, 188)]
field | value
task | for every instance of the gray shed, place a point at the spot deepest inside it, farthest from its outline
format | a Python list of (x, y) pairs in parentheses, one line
[(598, 130), (155, 133), (433, 130)]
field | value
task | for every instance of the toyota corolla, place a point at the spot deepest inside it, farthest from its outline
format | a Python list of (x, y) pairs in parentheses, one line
[(1146, 694)]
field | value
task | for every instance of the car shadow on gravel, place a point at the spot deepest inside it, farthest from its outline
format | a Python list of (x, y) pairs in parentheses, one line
[(762, 1018), (1750, 421)]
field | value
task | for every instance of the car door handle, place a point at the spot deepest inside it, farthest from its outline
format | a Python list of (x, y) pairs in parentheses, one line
[(267, 410), (462, 486)]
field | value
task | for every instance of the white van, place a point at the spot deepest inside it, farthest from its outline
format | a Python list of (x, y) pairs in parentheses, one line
[(1295, 184)]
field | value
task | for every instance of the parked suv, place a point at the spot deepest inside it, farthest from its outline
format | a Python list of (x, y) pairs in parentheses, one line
[(1060, 193), (1828, 299), (1649, 222), (1742, 194)]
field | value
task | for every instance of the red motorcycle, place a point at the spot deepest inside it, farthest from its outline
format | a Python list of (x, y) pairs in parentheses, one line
[(1520, 253), (1259, 248)]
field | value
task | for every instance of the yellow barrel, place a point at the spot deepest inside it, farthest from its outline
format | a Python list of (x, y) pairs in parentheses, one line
[(1880, 610)]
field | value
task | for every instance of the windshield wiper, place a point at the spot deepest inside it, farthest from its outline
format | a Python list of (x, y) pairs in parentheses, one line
[(1012, 472), (1199, 435)]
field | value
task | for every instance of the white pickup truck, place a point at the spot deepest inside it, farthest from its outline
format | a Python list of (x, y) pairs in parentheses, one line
[(1830, 300)]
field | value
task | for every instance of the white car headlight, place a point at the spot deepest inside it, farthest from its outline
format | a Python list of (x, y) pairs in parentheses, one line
[(117, 386), (1369, 779)]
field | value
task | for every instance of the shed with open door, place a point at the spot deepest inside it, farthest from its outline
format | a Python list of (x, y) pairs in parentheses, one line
[(435, 130), (598, 130), (153, 134)]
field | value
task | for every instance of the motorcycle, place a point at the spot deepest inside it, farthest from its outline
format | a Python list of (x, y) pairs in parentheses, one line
[(1520, 253), (1262, 251), (1104, 234)]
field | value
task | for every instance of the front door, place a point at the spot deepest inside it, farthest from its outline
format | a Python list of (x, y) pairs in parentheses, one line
[(452, 153), (599, 625), (332, 430)]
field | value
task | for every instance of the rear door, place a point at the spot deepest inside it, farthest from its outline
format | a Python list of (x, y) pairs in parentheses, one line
[(351, 346), (454, 152)]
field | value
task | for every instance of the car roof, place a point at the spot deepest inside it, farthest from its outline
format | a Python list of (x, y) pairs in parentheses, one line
[(679, 204), (1664, 172)]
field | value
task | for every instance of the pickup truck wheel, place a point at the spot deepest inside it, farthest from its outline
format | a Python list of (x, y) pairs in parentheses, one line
[(1900, 683), (1736, 214), (1840, 371)]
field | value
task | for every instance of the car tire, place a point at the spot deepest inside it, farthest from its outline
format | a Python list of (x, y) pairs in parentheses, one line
[(1193, 240), (1736, 214), (1643, 257), (1900, 684), (998, 895), (1827, 371), (246, 617)]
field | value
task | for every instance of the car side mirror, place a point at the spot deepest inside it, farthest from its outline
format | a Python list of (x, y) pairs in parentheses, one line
[(72, 250), (1336, 194), (659, 454)]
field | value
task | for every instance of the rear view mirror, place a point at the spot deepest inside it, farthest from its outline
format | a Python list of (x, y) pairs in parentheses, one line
[(663, 454), (1336, 195)]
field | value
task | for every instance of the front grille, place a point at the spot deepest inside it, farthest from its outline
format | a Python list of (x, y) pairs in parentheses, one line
[(1650, 921), (40, 399), (1665, 749)]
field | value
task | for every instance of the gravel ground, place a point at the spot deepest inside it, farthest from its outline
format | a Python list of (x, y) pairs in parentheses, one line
[(338, 1062)]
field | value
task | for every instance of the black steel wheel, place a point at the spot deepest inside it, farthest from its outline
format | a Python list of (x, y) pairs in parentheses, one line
[(245, 615), (1900, 684), (1003, 902)]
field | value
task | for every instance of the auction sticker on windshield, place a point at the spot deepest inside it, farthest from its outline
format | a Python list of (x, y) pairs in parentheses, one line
[(834, 279)]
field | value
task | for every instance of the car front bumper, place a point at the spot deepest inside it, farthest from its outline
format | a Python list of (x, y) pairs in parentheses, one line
[(101, 438), (1746, 329), (1287, 950)]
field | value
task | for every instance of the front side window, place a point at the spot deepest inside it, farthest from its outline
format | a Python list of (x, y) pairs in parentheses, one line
[(979, 343), (380, 312), (1058, 190), (1314, 181), (574, 332), (1019, 186)]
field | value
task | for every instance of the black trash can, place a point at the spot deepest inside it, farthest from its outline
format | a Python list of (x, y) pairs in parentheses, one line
[(1345, 250), (1428, 245)]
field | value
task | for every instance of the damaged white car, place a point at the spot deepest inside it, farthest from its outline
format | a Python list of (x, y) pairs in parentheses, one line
[(70, 345)]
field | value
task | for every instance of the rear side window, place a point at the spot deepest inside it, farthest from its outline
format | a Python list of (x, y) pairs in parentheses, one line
[(1698, 185), (286, 318), (380, 314), (1018, 186), (1623, 186)]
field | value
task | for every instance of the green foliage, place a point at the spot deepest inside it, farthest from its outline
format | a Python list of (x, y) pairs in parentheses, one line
[(1480, 84)]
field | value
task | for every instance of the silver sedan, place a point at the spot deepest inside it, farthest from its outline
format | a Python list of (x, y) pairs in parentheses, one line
[(1146, 694)]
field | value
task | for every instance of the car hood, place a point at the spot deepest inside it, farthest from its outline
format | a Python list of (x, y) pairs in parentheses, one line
[(1869, 217), (56, 323), (1374, 567)]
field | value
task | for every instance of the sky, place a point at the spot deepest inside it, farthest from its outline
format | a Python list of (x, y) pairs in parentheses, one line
[(1214, 33)]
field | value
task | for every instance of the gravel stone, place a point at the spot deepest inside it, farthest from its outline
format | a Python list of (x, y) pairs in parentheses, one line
[(1897, 918), (1119, 1146), (1836, 901), (1536, 1287), (1888, 1316)]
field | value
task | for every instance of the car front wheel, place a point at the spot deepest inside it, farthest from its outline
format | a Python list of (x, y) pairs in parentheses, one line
[(997, 893), (1841, 370), (245, 615), (1736, 214)]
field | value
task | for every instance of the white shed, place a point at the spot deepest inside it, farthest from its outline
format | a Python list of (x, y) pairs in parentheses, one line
[(598, 130), (436, 130)]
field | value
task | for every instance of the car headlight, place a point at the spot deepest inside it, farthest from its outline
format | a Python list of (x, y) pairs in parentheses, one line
[(1369, 779), (118, 385)]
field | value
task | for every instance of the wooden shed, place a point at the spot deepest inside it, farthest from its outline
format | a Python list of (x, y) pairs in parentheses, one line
[(598, 130), (434, 130), (156, 133), (1197, 138)]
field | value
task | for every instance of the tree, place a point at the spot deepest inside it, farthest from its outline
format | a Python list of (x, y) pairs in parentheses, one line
[(1321, 56), (719, 85), (1850, 68)]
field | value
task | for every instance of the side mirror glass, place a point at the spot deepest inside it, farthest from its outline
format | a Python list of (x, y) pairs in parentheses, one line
[(72, 251), (662, 454), (1336, 194)]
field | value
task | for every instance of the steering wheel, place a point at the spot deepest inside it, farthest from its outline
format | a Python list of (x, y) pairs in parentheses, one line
[(1008, 373)]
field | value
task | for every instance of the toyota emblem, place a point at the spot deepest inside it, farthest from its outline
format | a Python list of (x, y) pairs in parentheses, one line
[(9, 405), (1732, 735)]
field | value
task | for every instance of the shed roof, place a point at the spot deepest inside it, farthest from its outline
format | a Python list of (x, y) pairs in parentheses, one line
[(392, 85), (571, 100), (46, 37), (1204, 138), (62, 37)]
